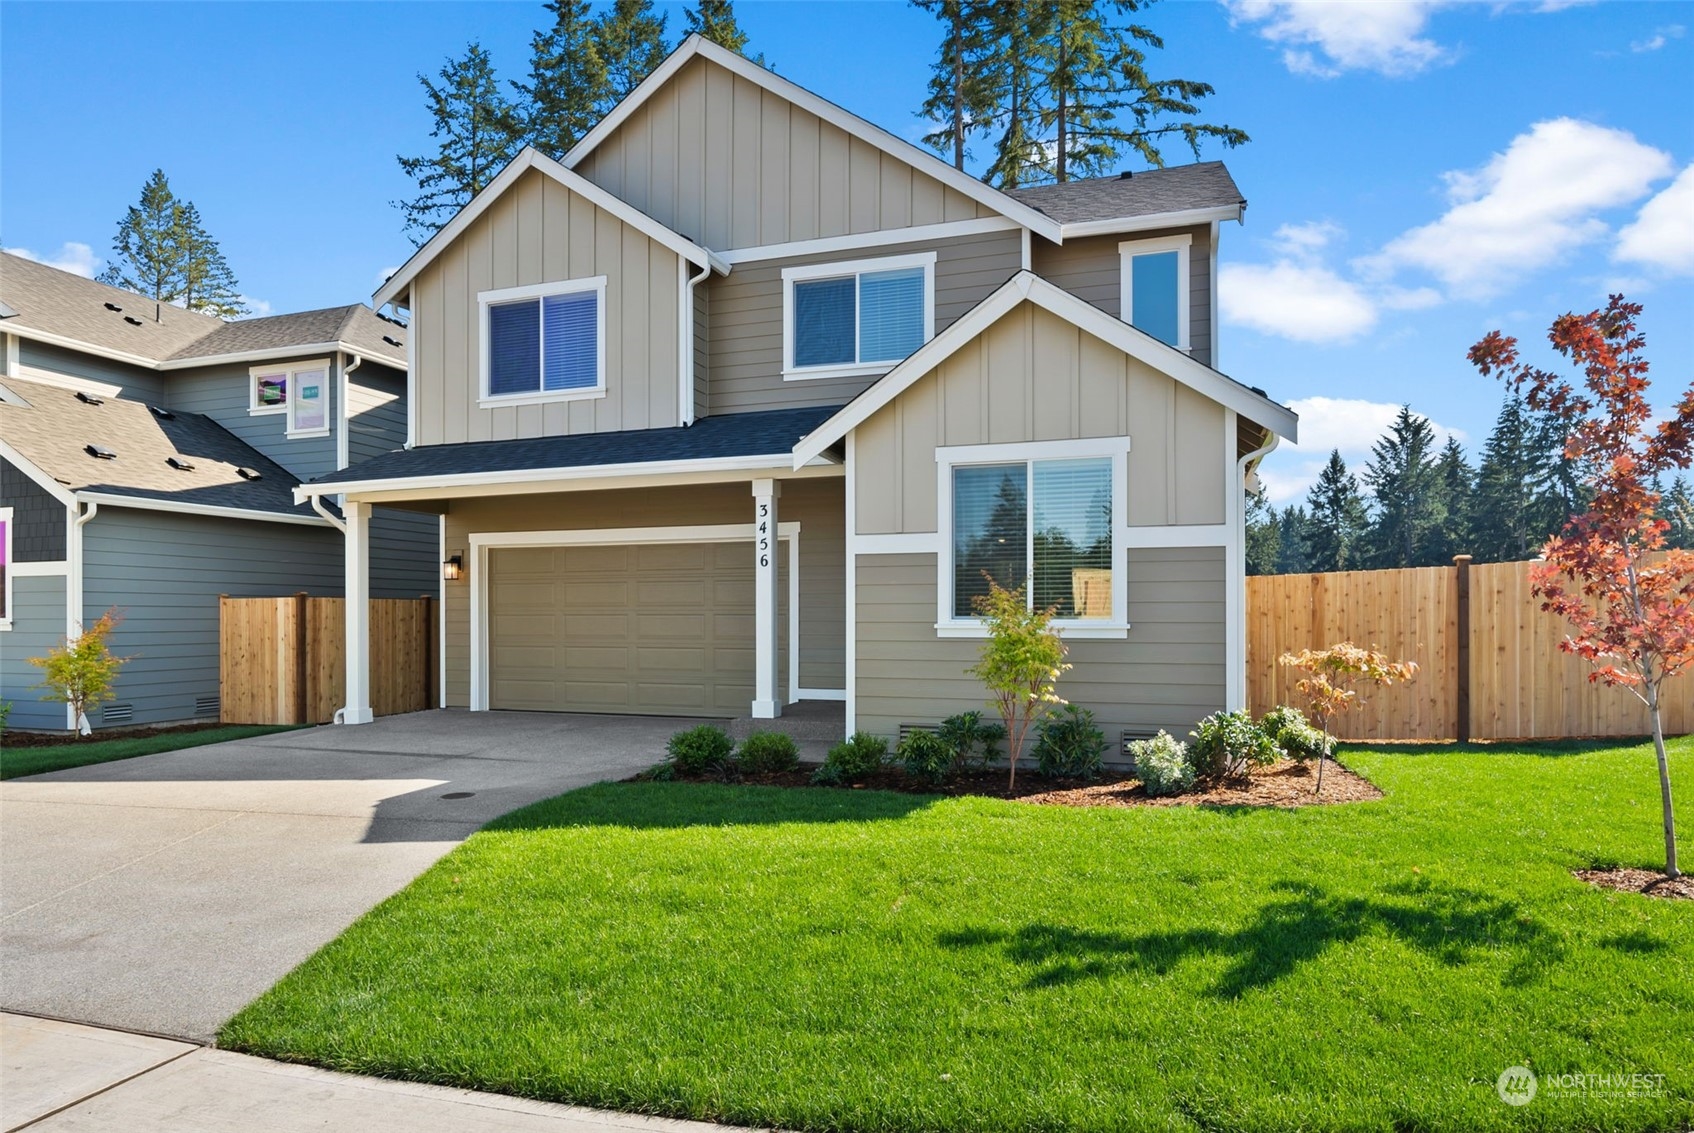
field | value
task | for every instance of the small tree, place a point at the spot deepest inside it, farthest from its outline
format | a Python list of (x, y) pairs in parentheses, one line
[(1332, 681), (1021, 663), (80, 672), (1629, 601)]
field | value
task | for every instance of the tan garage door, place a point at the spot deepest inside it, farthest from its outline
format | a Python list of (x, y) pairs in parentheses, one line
[(660, 629)]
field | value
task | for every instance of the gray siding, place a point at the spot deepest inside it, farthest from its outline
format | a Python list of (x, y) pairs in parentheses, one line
[(38, 624), (165, 573), (405, 550), (745, 372), (143, 385), (222, 393), (38, 520), (1168, 674), (1090, 268), (376, 411)]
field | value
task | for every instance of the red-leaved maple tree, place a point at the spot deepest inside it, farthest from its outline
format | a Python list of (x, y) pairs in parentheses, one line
[(1629, 601)]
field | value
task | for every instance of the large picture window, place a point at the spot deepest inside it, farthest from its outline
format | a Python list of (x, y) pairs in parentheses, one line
[(856, 318), (544, 343), (1155, 287)]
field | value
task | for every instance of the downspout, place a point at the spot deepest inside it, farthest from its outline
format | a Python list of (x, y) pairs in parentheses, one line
[(1240, 552), (73, 597), (685, 345), (342, 442), (335, 521)]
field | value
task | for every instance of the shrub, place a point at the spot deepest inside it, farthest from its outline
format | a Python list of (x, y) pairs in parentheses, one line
[(1020, 664), (1289, 729), (765, 752), (81, 673), (700, 750), (1225, 743), (975, 742), (1162, 764), (927, 757), (1068, 745), (852, 759)]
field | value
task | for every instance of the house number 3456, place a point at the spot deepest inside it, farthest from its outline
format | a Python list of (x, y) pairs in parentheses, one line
[(764, 535)]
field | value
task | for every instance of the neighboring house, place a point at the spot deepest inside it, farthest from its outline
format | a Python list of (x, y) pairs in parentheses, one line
[(736, 405), (148, 461)]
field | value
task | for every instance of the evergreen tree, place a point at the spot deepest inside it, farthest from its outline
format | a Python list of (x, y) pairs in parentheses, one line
[(569, 85), (1676, 507), (479, 133), (1293, 532), (1264, 533), (1510, 513), (715, 20), (1455, 490), (1403, 482), (1017, 29), (961, 95), (1562, 483), (1335, 527), (163, 251), (631, 38), (208, 284)]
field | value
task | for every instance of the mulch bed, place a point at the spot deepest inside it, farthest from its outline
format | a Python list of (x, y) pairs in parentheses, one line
[(57, 739), (1647, 882), (1284, 784)]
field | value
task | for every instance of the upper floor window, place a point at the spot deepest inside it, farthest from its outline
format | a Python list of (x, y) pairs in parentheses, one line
[(856, 318), (545, 342), (1155, 287), (298, 389)]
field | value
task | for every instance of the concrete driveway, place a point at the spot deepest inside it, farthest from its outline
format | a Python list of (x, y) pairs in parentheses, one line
[(163, 894)]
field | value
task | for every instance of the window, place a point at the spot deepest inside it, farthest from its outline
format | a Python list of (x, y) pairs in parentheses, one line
[(856, 318), (5, 568), (544, 343), (1155, 287), (300, 390), (1048, 521)]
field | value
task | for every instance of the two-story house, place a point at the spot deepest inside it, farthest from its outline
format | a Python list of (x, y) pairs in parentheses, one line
[(738, 405), (148, 459)]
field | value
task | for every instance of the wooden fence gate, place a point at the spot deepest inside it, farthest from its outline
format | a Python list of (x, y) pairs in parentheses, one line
[(1489, 662), (283, 660)]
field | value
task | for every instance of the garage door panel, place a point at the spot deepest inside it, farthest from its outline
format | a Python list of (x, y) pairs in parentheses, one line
[(613, 559), (588, 659), (588, 595), (682, 695), (538, 657), (688, 559), (686, 593), (594, 628), (656, 660)]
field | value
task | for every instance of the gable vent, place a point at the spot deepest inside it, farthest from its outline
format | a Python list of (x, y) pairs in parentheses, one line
[(132, 320), (89, 399), (207, 705), (117, 713), (113, 307), (161, 413), (249, 473), (391, 340), (99, 452), (180, 464)]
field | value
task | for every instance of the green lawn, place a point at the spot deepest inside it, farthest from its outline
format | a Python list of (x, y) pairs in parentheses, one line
[(16, 761), (847, 960)]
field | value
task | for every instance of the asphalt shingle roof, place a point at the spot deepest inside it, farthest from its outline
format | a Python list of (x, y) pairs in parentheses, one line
[(1176, 188), (355, 324), (769, 433), (52, 430)]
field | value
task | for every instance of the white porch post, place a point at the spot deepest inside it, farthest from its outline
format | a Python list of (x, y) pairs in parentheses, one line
[(767, 702), (358, 602)]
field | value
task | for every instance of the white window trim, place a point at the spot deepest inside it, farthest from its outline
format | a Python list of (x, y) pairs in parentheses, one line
[(254, 409), (11, 570), (802, 272), (1116, 449), (1181, 245), (286, 409), (293, 402), (487, 299)]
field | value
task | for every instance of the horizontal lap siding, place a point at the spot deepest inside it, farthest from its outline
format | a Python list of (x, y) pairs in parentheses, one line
[(165, 573), (1091, 268), (405, 546), (143, 385), (1168, 673), (38, 520), (223, 393), (376, 407), (38, 624)]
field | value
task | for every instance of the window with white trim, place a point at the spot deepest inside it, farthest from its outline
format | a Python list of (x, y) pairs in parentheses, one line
[(5, 568), (300, 390), (855, 318), (1155, 285), (545, 342)]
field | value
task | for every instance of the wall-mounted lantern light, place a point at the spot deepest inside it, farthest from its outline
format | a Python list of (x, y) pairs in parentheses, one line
[(453, 569)]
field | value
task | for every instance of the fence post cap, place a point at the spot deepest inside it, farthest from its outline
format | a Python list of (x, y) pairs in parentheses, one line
[(1461, 560)]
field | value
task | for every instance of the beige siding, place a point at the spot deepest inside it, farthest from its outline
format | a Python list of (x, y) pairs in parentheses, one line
[(816, 504), (541, 232), (731, 165), (747, 332), (987, 393), (1091, 268), (1168, 673)]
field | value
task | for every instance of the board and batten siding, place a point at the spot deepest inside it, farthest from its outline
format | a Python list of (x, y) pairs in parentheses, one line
[(731, 165), (746, 345), (38, 520), (1091, 268), (65, 362), (224, 393), (541, 232), (165, 572), (1032, 376), (1168, 673), (814, 503), (38, 624)]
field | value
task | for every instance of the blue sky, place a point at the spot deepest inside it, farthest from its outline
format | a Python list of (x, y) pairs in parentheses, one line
[(1420, 172)]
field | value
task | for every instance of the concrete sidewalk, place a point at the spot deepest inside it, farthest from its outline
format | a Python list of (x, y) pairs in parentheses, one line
[(63, 1077)]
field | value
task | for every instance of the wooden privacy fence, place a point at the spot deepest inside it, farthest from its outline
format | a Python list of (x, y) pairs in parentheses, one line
[(1489, 662), (283, 660)]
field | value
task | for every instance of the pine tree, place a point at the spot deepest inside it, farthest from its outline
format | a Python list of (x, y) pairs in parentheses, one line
[(1335, 529), (1264, 533), (1455, 490), (1402, 478), (1293, 532), (1676, 507), (1018, 29), (1510, 512), (568, 86), (715, 20), (631, 39), (961, 96), (208, 284), (163, 251), (480, 131)]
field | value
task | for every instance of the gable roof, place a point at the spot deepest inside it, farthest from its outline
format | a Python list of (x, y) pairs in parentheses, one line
[(868, 132), (59, 307), (531, 158), (1203, 187), (1029, 287), (53, 426)]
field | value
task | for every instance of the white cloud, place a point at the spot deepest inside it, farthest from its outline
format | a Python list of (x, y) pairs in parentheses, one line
[(1302, 301), (1659, 38), (1350, 425), (1323, 38), (1408, 298), (1662, 234), (78, 259), (1304, 240), (1527, 207), (256, 308)]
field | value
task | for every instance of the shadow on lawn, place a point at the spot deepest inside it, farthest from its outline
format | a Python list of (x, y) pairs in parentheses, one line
[(674, 806), (1454, 925), (1550, 749)]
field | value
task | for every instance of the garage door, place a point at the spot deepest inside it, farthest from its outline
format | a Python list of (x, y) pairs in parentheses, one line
[(660, 629)]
